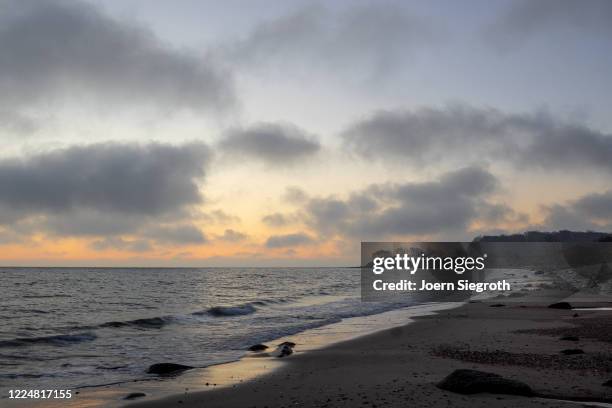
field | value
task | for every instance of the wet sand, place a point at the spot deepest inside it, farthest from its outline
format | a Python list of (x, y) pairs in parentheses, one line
[(401, 366)]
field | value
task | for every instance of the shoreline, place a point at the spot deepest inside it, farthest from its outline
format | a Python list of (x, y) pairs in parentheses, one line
[(401, 345), (398, 366), (249, 367)]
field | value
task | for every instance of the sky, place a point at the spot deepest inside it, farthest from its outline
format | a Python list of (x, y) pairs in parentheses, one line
[(284, 133)]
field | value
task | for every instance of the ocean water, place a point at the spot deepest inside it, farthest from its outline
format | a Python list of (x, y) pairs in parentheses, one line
[(75, 327)]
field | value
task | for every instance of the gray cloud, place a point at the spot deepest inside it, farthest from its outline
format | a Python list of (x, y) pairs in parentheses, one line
[(83, 223), (15, 122), (106, 190), (289, 240), (369, 38), (589, 212), (275, 220), (526, 18), (273, 143), (184, 234), (219, 217), (461, 133), (150, 179), (492, 213), (294, 195), (72, 50), (596, 205), (231, 235), (121, 244), (447, 205)]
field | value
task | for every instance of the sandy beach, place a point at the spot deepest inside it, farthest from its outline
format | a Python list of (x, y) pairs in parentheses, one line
[(401, 366)]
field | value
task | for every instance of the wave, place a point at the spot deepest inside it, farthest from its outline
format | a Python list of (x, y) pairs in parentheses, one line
[(147, 323), (220, 311), (57, 340)]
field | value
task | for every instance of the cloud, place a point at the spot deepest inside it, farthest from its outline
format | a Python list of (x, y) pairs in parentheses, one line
[(181, 234), (461, 133), (294, 194), (105, 189), (151, 179), (82, 222), (275, 220), (448, 205), (219, 217), (175, 234), (589, 212), (74, 51), (272, 143), (17, 123), (231, 235), (289, 240), (121, 244), (526, 18), (369, 39), (493, 213), (596, 205)]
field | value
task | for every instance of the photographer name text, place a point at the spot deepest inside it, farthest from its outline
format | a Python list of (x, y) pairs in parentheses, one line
[(424, 286)]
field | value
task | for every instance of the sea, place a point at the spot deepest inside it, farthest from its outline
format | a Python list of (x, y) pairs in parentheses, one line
[(66, 328)]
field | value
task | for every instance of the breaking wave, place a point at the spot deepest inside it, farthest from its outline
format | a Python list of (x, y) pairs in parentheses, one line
[(220, 311)]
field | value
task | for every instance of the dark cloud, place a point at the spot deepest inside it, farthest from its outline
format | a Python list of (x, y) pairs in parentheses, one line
[(150, 179), (589, 212), (447, 205), (72, 50), (289, 240), (106, 190), (368, 39), (231, 235), (84, 223), (272, 143), (596, 205), (526, 18), (461, 133)]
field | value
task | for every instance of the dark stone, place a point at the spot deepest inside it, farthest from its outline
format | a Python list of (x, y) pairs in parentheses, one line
[(569, 352), (607, 383), (560, 305), (497, 305), (474, 381), (287, 343), (134, 395), (569, 338), (167, 368), (258, 347), (284, 350)]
